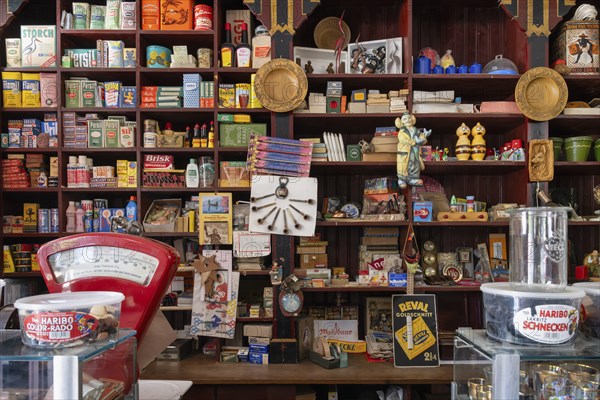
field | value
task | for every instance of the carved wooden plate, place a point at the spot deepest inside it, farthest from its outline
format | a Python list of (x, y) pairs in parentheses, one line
[(541, 94), (280, 85)]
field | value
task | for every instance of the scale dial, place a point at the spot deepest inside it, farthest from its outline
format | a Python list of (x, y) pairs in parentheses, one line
[(106, 261)]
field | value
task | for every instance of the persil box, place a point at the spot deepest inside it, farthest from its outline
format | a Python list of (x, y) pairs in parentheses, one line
[(69, 319)]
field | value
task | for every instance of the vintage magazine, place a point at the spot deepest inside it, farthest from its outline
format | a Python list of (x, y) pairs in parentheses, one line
[(215, 218)]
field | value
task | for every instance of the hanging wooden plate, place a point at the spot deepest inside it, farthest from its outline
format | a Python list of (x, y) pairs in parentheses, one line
[(280, 85), (541, 94)]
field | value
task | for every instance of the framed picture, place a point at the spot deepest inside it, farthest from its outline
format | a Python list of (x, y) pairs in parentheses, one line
[(378, 314), (465, 255)]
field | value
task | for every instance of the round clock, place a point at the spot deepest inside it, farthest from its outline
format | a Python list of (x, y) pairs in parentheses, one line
[(290, 302), (429, 246), (429, 258)]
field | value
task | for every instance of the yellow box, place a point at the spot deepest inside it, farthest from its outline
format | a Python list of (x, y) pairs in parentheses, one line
[(11, 89), (30, 90), (122, 176), (53, 166), (30, 213), (132, 174), (254, 102)]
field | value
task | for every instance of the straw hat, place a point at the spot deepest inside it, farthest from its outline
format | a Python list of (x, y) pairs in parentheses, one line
[(280, 85), (541, 94), (327, 32)]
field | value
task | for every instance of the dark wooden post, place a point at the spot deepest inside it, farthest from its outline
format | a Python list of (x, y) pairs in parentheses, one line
[(537, 18), (282, 18)]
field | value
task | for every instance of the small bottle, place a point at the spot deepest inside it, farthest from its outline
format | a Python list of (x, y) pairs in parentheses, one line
[(188, 137), (79, 213), (192, 178), (131, 210), (71, 224), (43, 180), (72, 172), (211, 135), (196, 138), (261, 47), (470, 203), (243, 51), (227, 49), (203, 136)]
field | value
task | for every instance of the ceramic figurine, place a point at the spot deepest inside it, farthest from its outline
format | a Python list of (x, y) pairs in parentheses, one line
[(463, 145), (478, 143), (329, 69), (409, 162), (308, 68)]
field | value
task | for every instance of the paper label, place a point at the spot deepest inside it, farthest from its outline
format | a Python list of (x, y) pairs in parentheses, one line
[(551, 323), (59, 327)]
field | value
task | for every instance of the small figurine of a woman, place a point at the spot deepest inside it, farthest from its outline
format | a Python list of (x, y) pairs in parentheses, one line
[(409, 162)]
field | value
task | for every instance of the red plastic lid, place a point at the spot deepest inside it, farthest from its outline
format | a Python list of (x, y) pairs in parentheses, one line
[(227, 26)]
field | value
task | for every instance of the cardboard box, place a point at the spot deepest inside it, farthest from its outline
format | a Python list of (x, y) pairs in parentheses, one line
[(96, 133), (238, 135), (313, 260), (258, 330), (569, 45), (168, 227), (422, 211), (111, 133), (42, 39), (176, 16), (304, 336), (236, 18), (258, 358)]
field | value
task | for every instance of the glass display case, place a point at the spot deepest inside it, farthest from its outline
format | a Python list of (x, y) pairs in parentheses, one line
[(99, 370), (488, 369)]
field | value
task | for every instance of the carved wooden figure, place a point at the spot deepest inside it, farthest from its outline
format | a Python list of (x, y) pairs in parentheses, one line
[(463, 145), (478, 142), (541, 160)]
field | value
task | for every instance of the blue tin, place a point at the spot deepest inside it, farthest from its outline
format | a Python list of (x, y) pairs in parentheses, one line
[(463, 69), (451, 69), (158, 56), (54, 222), (438, 69), (422, 65), (44, 220)]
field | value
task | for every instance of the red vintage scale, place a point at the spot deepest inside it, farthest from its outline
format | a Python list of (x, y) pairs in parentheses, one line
[(140, 268)]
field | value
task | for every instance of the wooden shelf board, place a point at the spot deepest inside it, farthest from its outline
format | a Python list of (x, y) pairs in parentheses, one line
[(360, 223), (31, 189), (196, 150), (28, 69), (203, 370), (175, 189), (579, 168), (147, 70), (244, 110), (99, 189), (234, 189), (250, 319), (253, 272), (30, 150), (107, 150), (422, 289), (240, 149), (96, 69), (109, 110), (367, 77), (30, 109), (175, 110), (98, 33), (176, 308), (466, 77), (485, 167), (237, 70), (169, 234), (584, 223), (176, 33), (31, 274)]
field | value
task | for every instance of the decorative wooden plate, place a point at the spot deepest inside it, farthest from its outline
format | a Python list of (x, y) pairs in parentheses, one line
[(280, 85), (541, 94), (327, 32)]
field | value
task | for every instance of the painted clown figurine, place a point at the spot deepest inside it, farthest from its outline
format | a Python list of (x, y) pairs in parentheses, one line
[(409, 162)]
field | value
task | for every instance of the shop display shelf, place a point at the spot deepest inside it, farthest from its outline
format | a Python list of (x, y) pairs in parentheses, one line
[(240, 149), (93, 34), (581, 168), (30, 150), (170, 234), (29, 110), (159, 33), (108, 150), (183, 70), (254, 319), (193, 111), (244, 111), (104, 110), (264, 272), (99, 189), (175, 189), (398, 290), (31, 190), (179, 150)]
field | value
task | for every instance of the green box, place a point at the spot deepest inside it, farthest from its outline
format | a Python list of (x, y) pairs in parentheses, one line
[(72, 94), (237, 135), (111, 133), (88, 93), (353, 152), (224, 117), (96, 133)]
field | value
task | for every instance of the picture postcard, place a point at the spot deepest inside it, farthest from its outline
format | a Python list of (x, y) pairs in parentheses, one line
[(215, 218), (415, 331)]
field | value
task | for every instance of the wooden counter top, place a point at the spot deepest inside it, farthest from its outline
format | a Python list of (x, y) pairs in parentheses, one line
[(202, 370)]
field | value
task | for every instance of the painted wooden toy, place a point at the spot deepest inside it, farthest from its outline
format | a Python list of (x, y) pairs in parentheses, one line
[(463, 145), (478, 143)]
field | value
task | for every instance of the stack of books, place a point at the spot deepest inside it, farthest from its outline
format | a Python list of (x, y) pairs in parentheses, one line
[(377, 103), (398, 100), (161, 96)]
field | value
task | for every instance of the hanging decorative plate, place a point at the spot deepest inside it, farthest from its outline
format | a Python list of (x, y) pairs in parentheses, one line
[(280, 85), (541, 94), (327, 32), (454, 272)]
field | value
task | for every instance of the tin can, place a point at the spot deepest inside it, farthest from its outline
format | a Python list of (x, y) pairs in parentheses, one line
[(87, 205), (150, 139), (205, 57), (44, 220), (98, 204), (54, 223), (203, 16)]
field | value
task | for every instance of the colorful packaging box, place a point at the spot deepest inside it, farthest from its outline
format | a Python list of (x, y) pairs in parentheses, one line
[(129, 57), (38, 45), (113, 14), (422, 211), (128, 15), (96, 133), (234, 135), (11, 89), (13, 52), (106, 215), (48, 89), (30, 90), (88, 93), (111, 94), (176, 16), (128, 96), (150, 14), (97, 17), (111, 133), (191, 90), (83, 58), (132, 174), (72, 94)]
